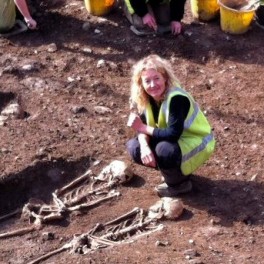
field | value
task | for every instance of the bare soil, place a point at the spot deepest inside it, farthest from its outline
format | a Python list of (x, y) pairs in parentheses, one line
[(54, 74)]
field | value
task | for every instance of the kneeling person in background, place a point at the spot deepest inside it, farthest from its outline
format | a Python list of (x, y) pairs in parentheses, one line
[(155, 14)]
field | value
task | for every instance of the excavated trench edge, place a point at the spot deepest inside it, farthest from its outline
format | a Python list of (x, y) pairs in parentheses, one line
[(38, 181)]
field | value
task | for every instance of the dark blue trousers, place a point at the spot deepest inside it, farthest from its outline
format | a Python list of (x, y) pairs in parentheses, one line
[(168, 157)]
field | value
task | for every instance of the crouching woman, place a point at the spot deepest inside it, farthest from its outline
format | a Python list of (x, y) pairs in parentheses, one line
[(173, 136), (8, 14)]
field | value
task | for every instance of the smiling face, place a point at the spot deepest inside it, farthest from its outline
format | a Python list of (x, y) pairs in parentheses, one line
[(153, 83)]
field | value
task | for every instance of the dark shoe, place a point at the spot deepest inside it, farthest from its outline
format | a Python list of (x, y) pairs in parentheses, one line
[(164, 190), (142, 31), (19, 27)]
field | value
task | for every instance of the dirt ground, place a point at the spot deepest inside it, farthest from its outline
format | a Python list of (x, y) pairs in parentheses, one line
[(76, 63)]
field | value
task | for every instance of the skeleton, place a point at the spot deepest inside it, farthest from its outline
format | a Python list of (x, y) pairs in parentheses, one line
[(82, 193), (87, 191), (123, 229)]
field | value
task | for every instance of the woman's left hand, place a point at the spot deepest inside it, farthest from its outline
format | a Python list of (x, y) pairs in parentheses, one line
[(176, 27)]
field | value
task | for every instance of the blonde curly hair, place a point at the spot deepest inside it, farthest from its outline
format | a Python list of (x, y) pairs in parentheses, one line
[(139, 98)]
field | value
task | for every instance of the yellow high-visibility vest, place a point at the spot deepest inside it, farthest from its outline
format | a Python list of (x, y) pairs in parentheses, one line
[(7, 15), (196, 142)]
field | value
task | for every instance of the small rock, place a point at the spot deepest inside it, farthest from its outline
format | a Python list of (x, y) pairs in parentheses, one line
[(13, 111), (4, 150), (70, 79), (78, 109), (97, 31), (195, 261), (52, 47), (102, 110), (190, 253), (86, 26), (113, 65), (161, 243), (87, 50), (28, 67), (191, 241), (48, 236), (100, 63)]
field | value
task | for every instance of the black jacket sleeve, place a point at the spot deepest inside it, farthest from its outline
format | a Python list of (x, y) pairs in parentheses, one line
[(179, 108)]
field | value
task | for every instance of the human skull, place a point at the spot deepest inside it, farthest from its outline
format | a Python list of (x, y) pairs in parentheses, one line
[(167, 207), (117, 171), (13, 111)]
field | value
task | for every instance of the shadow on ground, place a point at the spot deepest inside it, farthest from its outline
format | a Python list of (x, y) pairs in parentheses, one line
[(228, 200), (38, 181)]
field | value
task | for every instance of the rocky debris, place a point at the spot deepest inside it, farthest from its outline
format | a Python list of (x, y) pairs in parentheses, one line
[(48, 236), (102, 110), (77, 109), (162, 243), (35, 83), (190, 253), (12, 111), (52, 48)]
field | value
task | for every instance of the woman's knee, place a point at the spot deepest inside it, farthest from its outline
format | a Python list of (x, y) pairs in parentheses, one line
[(133, 149), (165, 149), (168, 154)]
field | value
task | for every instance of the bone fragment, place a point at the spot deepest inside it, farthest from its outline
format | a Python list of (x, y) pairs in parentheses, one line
[(127, 230), (103, 240), (58, 201), (95, 229), (92, 203), (82, 192), (73, 183), (18, 232), (154, 229), (123, 217), (51, 253)]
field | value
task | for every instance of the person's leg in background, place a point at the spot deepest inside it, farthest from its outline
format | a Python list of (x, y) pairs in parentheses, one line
[(134, 19)]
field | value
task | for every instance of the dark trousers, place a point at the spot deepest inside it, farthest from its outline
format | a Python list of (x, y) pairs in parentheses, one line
[(161, 12), (168, 157)]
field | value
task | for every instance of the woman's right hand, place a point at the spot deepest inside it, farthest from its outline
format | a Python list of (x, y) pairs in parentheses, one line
[(31, 23), (147, 156), (150, 21)]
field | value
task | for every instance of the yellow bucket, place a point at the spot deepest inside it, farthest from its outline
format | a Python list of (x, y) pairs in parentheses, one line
[(235, 21), (205, 10), (99, 7)]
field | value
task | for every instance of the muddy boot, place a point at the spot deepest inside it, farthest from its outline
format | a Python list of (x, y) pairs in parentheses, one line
[(175, 183), (164, 190)]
